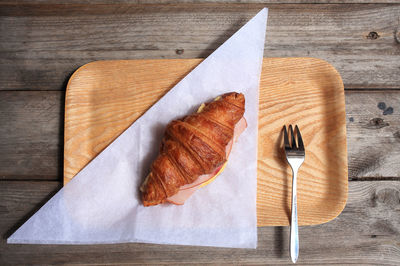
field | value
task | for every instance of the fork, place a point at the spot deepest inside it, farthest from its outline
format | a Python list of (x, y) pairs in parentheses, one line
[(295, 155)]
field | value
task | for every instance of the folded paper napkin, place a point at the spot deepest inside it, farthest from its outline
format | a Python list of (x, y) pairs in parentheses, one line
[(102, 203)]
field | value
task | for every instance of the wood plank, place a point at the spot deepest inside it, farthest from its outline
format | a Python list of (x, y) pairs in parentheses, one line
[(43, 44), (41, 2), (31, 135), (31, 142), (373, 134), (367, 232)]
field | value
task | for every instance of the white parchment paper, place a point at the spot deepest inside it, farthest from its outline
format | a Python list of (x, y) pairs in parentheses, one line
[(102, 205)]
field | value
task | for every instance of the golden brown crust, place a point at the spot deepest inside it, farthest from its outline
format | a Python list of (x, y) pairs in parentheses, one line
[(192, 146)]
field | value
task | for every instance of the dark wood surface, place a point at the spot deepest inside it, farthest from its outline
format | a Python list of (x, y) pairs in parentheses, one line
[(43, 42)]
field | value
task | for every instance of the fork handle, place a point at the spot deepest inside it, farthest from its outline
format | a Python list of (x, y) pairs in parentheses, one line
[(294, 229)]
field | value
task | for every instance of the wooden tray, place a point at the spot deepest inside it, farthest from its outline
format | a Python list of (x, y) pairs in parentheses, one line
[(103, 98)]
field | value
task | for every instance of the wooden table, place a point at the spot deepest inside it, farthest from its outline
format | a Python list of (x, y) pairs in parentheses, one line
[(43, 42)]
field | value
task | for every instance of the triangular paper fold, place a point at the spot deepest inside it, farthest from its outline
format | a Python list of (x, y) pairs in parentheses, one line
[(101, 204)]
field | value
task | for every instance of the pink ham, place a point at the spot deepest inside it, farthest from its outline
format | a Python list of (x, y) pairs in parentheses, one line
[(187, 190)]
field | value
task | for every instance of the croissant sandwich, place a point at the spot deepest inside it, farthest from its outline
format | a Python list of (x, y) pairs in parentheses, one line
[(194, 150)]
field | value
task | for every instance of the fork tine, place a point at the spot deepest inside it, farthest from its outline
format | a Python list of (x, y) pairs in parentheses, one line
[(299, 139), (285, 138), (293, 137)]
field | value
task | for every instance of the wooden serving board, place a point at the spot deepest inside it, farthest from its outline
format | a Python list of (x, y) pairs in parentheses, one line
[(103, 98)]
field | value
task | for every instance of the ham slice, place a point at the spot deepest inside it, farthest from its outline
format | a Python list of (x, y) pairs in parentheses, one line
[(187, 190)]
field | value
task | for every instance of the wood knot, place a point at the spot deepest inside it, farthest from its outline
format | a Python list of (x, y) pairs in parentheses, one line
[(397, 35), (388, 196), (373, 35), (179, 51), (376, 123)]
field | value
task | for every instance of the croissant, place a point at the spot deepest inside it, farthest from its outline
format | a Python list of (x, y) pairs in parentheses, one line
[(193, 146)]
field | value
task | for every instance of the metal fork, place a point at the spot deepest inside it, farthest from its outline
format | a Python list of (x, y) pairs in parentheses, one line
[(295, 155)]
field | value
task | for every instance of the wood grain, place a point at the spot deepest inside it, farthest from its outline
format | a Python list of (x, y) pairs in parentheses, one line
[(121, 2), (31, 142), (307, 92), (104, 98), (42, 44), (371, 114), (366, 232), (34, 143)]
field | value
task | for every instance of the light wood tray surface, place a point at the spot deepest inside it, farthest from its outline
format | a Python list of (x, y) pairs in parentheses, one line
[(104, 97)]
